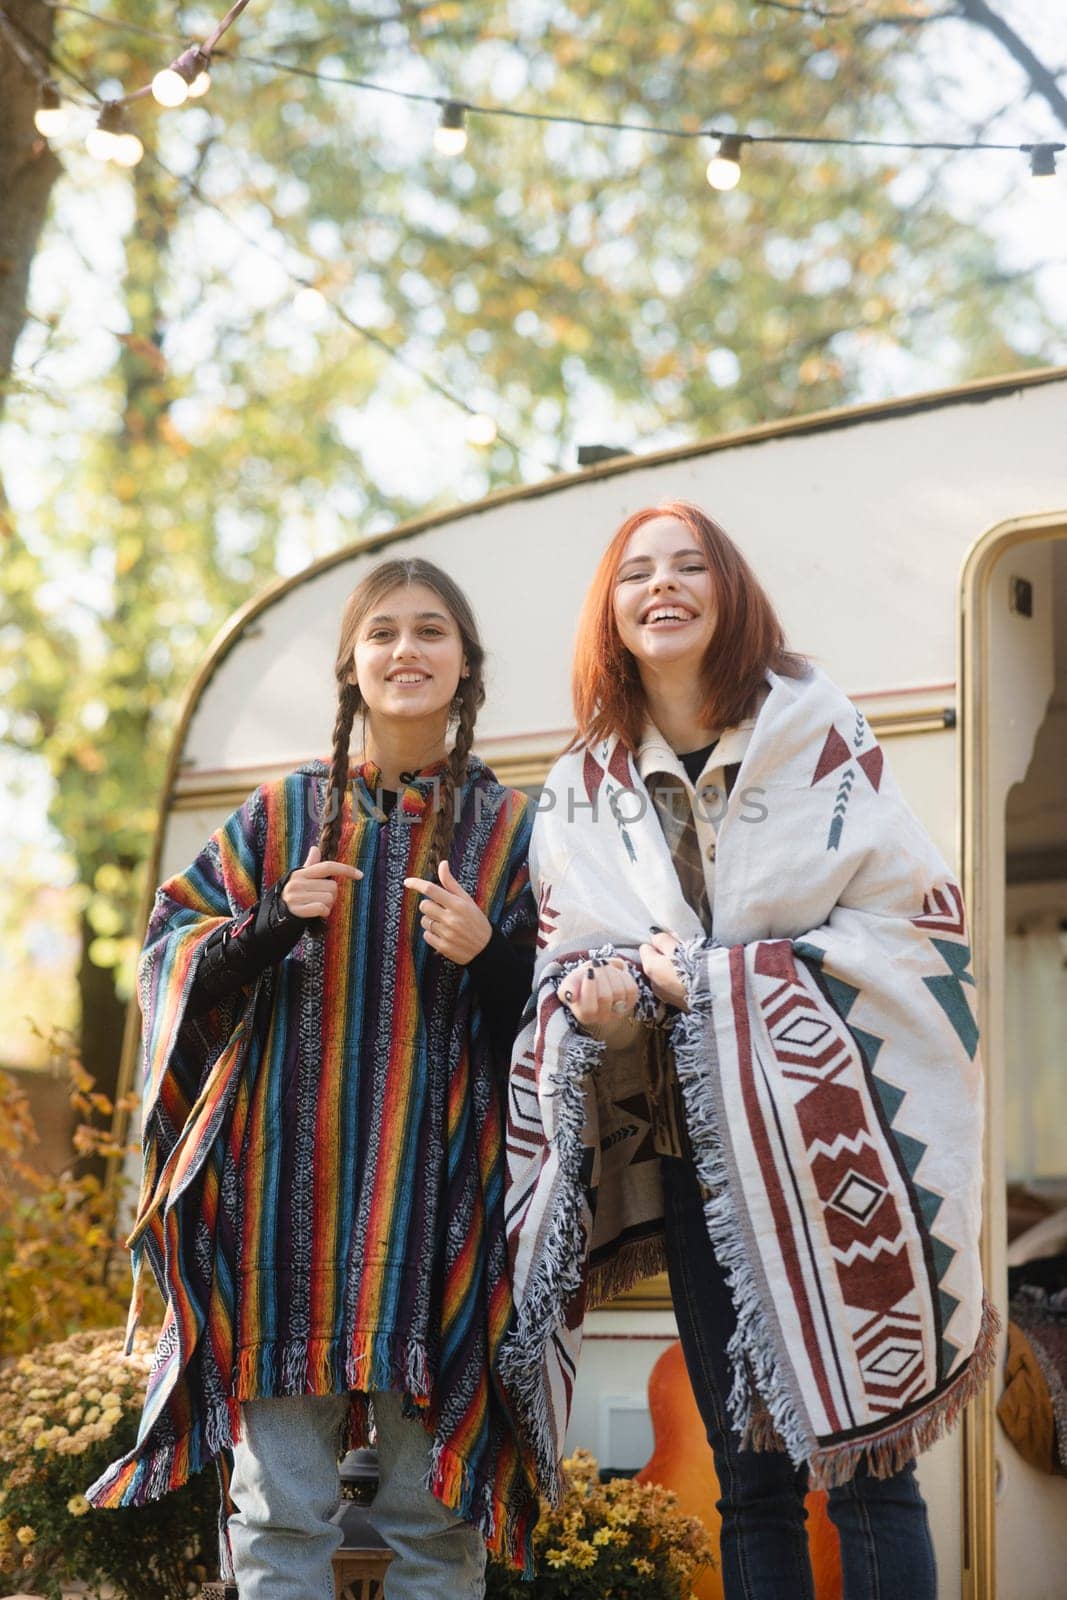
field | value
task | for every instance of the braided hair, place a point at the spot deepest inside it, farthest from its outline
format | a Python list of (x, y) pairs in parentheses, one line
[(466, 703)]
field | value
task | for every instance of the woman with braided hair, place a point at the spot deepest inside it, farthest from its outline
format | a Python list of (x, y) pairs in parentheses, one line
[(330, 994)]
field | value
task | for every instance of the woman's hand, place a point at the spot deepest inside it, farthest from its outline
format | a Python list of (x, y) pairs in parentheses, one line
[(659, 969), (601, 997), (453, 923), (312, 888)]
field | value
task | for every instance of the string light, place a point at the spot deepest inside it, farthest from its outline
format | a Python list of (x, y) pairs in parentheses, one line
[(185, 77), (111, 140), (169, 88), (450, 138), (310, 304), (50, 118), (724, 168), (127, 149), (189, 77), (1043, 159), (481, 429), (100, 140)]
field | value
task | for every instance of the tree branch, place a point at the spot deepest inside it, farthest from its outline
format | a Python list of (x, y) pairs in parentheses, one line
[(1041, 77)]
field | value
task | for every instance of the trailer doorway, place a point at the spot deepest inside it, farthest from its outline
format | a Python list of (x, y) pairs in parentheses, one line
[(1013, 684)]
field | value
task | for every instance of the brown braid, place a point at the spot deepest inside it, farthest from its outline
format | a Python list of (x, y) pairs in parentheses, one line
[(470, 697), (348, 701)]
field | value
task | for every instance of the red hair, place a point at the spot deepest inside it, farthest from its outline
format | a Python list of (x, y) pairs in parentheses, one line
[(608, 695)]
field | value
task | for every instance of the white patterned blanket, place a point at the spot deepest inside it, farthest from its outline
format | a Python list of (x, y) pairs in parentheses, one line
[(830, 1070)]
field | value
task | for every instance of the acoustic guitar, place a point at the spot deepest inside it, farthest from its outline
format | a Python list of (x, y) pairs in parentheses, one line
[(681, 1460)]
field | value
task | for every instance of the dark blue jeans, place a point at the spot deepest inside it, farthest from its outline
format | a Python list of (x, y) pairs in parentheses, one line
[(886, 1550)]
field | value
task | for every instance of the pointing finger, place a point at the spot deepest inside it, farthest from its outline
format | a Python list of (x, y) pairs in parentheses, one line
[(432, 891), (449, 879), (332, 869)]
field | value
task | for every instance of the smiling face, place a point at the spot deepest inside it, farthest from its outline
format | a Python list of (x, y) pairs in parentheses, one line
[(664, 600), (408, 655)]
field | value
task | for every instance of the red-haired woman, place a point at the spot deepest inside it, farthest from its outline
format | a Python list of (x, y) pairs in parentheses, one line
[(754, 1045), (330, 994)]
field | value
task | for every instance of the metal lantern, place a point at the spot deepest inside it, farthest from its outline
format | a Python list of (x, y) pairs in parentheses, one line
[(359, 1565)]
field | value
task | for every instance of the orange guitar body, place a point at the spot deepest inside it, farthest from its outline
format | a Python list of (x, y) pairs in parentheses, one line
[(681, 1460)]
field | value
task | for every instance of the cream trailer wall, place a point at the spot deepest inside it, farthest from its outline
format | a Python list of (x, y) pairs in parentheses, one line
[(858, 522)]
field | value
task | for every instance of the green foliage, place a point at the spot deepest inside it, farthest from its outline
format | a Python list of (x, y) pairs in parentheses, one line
[(66, 1413), (608, 1541)]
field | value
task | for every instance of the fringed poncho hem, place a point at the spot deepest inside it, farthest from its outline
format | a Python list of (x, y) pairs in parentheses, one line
[(278, 1369)]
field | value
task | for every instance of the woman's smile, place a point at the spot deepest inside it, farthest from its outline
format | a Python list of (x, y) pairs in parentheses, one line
[(664, 599), (409, 655)]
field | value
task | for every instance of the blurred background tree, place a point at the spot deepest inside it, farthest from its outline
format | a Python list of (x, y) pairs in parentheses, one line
[(223, 369)]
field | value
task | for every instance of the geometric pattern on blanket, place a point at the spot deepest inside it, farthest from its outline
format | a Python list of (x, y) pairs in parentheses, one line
[(943, 913), (865, 1229), (844, 996)]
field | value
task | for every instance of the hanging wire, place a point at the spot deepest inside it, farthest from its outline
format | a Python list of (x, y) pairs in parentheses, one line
[(396, 355), (559, 119)]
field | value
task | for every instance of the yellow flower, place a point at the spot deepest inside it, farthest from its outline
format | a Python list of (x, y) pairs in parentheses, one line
[(74, 1416), (112, 1415), (642, 1565), (556, 1558), (77, 1505), (32, 1424), (602, 1536), (25, 1534)]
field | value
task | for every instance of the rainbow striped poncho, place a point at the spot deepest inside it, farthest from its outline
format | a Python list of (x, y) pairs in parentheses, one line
[(322, 1203)]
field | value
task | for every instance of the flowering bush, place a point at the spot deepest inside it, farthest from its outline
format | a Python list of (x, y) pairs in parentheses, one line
[(608, 1542), (66, 1412), (62, 1263)]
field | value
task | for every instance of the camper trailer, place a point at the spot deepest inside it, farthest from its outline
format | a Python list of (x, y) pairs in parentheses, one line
[(917, 550)]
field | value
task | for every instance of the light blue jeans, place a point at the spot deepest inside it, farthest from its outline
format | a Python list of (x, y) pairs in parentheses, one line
[(285, 1487)]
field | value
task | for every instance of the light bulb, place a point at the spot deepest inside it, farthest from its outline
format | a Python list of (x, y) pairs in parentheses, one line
[(127, 150), (450, 137), (169, 88), (309, 304), (481, 429), (724, 168), (200, 85), (50, 118), (100, 142)]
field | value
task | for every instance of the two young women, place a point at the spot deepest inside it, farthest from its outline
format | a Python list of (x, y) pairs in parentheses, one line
[(325, 1053)]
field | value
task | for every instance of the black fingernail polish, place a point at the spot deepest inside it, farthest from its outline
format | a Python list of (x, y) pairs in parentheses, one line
[(654, 929), (567, 995), (590, 973)]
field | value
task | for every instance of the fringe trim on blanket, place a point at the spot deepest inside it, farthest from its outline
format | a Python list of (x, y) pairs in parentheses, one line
[(506, 1528), (755, 1358), (763, 1408), (365, 1361), (886, 1452), (632, 1263), (263, 1371), (558, 1274), (150, 1470)]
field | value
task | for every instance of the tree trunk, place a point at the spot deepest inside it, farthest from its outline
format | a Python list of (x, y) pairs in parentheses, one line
[(103, 1018), (28, 166)]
